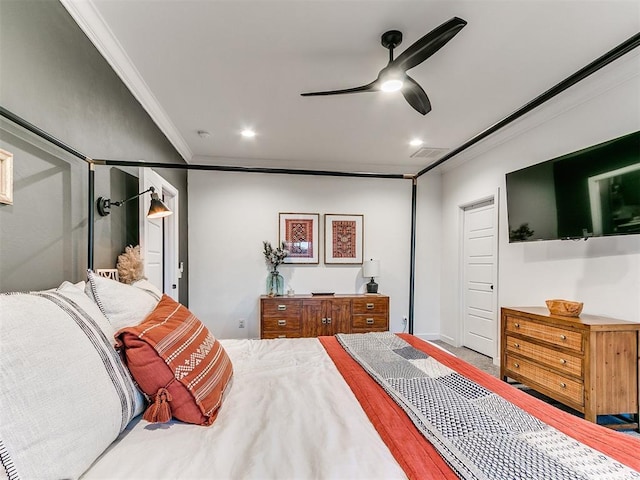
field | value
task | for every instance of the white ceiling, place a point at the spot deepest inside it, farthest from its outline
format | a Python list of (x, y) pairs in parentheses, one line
[(223, 65)]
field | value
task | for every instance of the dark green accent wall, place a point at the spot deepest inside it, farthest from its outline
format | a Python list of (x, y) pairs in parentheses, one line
[(52, 76)]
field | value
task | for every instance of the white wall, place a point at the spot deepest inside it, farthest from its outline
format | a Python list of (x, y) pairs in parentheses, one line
[(428, 247), (230, 214), (604, 273)]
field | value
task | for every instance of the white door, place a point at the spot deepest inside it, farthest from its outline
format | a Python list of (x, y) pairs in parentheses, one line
[(159, 236), (480, 329)]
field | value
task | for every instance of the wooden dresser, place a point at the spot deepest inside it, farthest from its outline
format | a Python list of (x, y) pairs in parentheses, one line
[(312, 316), (589, 363)]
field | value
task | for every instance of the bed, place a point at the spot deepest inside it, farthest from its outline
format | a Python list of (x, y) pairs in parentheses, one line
[(293, 408)]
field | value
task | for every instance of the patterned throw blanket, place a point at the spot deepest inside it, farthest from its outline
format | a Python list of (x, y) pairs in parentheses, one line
[(480, 434)]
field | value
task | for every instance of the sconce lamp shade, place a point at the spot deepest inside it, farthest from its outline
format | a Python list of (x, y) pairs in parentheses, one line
[(157, 209), (371, 268)]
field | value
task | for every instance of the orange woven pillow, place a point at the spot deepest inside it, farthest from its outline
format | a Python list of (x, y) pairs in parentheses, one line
[(178, 363)]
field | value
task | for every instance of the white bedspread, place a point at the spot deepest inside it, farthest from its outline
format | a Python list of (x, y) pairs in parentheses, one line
[(288, 415)]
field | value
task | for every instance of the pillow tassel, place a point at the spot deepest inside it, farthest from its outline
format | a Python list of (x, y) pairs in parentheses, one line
[(160, 410)]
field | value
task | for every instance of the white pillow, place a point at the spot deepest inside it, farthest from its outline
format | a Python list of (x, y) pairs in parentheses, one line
[(65, 393), (124, 305), (145, 284)]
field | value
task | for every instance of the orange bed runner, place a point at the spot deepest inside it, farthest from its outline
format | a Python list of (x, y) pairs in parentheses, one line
[(418, 457)]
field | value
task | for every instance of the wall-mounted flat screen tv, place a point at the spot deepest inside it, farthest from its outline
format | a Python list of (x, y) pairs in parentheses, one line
[(589, 193)]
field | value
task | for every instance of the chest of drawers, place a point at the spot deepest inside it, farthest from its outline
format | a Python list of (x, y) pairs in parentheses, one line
[(312, 316), (588, 363)]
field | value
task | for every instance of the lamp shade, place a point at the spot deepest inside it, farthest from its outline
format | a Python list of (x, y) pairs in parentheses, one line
[(157, 209), (371, 268)]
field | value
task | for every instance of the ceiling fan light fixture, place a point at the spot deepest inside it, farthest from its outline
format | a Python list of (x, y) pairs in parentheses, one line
[(391, 85), (394, 76)]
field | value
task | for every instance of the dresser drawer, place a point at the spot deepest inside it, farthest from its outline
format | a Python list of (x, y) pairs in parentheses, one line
[(280, 335), (557, 383), (557, 335), (369, 323), (370, 305), (565, 363), (282, 308), (280, 324)]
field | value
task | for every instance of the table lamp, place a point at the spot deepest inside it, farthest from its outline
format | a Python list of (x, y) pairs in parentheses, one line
[(371, 269)]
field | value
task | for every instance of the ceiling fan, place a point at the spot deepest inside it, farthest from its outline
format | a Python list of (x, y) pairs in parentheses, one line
[(393, 77)]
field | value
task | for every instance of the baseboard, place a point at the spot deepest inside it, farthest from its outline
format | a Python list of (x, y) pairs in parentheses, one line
[(447, 339), (427, 336)]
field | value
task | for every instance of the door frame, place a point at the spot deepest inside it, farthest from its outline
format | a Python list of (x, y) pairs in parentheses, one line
[(461, 268), (171, 239), (170, 227)]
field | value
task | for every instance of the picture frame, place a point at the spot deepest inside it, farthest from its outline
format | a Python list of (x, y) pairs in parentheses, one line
[(6, 177), (301, 236), (343, 239)]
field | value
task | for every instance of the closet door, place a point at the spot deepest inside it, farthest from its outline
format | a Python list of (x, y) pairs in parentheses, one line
[(159, 236), (480, 323)]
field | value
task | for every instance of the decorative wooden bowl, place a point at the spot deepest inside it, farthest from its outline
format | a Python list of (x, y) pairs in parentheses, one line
[(566, 308)]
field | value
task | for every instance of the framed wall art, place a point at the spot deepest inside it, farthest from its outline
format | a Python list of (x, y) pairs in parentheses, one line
[(343, 239), (300, 234), (6, 177)]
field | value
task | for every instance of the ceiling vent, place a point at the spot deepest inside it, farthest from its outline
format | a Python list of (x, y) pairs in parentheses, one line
[(429, 153)]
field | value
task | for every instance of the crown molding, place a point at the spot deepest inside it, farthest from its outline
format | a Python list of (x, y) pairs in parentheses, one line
[(88, 18)]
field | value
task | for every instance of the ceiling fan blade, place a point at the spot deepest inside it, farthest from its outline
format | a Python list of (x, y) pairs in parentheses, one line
[(428, 45), (415, 95), (371, 87)]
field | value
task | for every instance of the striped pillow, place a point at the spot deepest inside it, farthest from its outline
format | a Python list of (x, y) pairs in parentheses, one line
[(65, 394), (178, 363)]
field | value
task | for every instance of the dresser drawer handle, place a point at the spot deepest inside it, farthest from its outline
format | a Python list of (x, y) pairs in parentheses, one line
[(282, 323), (563, 385), (329, 320), (563, 361), (563, 337), (324, 321), (282, 308), (369, 321), (517, 325), (517, 345), (370, 306), (516, 365)]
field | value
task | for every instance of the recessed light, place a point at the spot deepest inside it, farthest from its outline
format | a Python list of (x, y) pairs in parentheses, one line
[(248, 133), (416, 142)]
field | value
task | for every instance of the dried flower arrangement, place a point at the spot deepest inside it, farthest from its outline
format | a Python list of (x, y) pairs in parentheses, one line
[(130, 266)]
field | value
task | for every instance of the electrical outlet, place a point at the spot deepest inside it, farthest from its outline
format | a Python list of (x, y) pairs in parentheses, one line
[(241, 323)]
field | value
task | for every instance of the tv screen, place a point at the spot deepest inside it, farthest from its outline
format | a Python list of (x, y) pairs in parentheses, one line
[(589, 193)]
